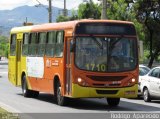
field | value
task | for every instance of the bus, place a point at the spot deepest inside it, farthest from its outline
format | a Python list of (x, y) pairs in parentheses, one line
[(76, 59)]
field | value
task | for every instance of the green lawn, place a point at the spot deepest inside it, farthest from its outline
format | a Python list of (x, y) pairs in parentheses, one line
[(7, 115), (2, 110)]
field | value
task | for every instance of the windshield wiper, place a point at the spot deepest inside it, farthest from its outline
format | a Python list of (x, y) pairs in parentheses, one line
[(97, 42), (116, 41)]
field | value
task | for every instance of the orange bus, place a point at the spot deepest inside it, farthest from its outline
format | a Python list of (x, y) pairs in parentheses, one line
[(76, 59)]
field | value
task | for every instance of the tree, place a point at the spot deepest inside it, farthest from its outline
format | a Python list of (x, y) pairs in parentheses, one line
[(3, 46), (118, 10), (89, 10), (62, 18), (85, 11), (148, 13), (123, 10), (74, 15)]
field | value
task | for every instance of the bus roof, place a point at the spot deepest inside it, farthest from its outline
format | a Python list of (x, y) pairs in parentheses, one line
[(61, 25), (21, 29), (70, 24)]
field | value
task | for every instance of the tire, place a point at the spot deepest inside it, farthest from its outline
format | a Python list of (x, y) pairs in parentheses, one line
[(146, 95), (61, 100), (25, 91), (113, 101), (35, 94)]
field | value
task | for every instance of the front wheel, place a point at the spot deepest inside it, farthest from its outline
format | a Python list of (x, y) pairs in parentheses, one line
[(25, 91), (146, 95), (113, 101), (61, 100)]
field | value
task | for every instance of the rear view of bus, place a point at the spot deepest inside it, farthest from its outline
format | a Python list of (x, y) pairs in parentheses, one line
[(105, 61)]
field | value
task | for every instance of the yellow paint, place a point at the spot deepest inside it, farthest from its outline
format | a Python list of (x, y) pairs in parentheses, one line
[(16, 67), (85, 92), (12, 69), (19, 36), (21, 29)]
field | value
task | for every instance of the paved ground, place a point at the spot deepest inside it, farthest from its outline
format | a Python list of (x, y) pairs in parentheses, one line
[(3, 61), (11, 99)]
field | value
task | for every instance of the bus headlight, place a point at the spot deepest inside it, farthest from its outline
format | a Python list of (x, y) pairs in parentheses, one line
[(133, 80), (82, 82), (79, 80)]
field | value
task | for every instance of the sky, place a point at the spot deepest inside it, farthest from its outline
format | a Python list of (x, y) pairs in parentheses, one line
[(11, 4)]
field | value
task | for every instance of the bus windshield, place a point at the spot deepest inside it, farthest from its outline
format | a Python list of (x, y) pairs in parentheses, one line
[(106, 54)]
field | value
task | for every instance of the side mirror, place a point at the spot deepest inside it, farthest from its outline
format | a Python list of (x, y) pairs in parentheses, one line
[(72, 46)]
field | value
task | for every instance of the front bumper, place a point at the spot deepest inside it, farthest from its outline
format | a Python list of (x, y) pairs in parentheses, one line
[(87, 92)]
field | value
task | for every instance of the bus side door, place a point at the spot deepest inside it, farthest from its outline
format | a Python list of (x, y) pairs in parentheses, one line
[(12, 60), (18, 58), (68, 67)]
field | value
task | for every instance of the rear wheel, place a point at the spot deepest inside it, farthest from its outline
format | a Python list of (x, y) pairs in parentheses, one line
[(113, 101), (35, 94), (25, 91), (146, 95), (61, 100)]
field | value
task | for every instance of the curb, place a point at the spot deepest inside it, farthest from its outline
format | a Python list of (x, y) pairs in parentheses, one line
[(8, 108), (12, 110)]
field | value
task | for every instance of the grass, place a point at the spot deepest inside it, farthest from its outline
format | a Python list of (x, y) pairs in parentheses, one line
[(7, 115), (2, 110)]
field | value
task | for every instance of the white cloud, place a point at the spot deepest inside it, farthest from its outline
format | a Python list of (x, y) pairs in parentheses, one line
[(10, 4)]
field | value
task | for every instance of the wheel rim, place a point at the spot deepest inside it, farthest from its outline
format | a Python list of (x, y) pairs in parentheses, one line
[(24, 87), (145, 94), (59, 98)]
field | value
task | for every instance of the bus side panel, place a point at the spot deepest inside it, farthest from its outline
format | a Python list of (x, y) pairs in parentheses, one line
[(15, 62), (35, 72), (23, 67), (53, 67), (18, 60), (12, 69)]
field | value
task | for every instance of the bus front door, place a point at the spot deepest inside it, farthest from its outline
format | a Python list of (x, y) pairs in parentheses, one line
[(18, 58), (68, 67)]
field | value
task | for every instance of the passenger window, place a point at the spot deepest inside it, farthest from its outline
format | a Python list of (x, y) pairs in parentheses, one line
[(59, 44), (25, 44), (13, 45), (41, 44), (32, 44), (50, 46)]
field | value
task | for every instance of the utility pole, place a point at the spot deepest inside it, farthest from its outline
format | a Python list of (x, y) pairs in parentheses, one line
[(65, 10), (50, 11), (104, 9)]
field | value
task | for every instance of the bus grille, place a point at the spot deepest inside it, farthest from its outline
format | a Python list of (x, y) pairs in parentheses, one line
[(106, 78), (104, 85), (106, 91)]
